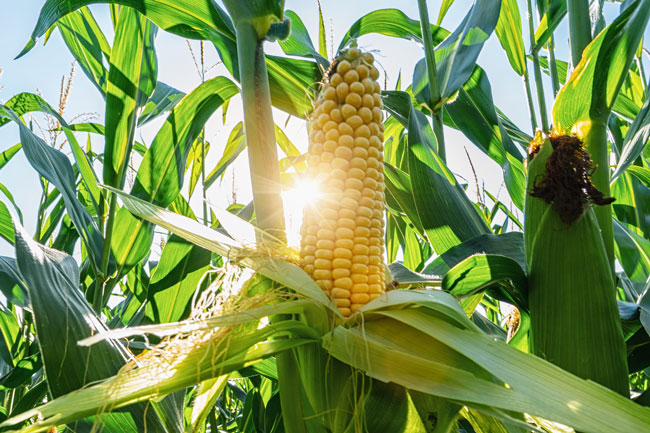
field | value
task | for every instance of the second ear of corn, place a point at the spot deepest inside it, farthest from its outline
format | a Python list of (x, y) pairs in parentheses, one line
[(342, 235), (575, 322)]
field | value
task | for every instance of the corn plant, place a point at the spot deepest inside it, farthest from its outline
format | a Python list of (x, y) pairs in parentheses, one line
[(234, 330)]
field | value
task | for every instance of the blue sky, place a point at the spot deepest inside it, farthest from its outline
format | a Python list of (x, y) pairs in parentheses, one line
[(42, 69)]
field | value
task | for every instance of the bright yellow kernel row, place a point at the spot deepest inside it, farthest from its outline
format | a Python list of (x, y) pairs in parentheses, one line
[(342, 242)]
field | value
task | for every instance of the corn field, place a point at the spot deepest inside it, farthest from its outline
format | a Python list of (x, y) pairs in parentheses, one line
[(414, 300)]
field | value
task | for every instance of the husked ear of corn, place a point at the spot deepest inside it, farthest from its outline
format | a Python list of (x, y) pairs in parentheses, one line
[(342, 245)]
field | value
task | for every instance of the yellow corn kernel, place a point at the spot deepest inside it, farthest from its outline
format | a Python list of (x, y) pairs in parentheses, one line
[(361, 144), (336, 79), (359, 298), (340, 301), (368, 101), (332, 135), (343, 283), (347, 223), (344, 233), (358, 88), (354, 99), (342, 91), (345, 129), (359, 278), (363, 71), (322, 274), (341, 263), (360, 259), (343, 152), (351, 76), (340, 273), (346, 141), (322, 263), (324, 254), (359, 268), (345, 243), (342, 253), (347, 213)]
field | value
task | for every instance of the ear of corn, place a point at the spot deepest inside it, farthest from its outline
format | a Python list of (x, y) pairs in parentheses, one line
[(574, 317), (342, 244)]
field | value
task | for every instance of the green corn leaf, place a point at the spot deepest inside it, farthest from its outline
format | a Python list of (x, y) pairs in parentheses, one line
[(170, 295), (292, 82), (508, 244), (88, 175), (595, 83), (641, 173), (300, 44), (234, 147), (88, 45), (4, 190), (51, 278), (384, 348), (635, 140), (432, 183), (508, 30), (131, 240), (23, 103), (11, 283), (194, 19), (633, 252), (6, 155), (161, 173), (163, 99), (199, 148), (456, 55), (322, 38), (632, 202), (500, 273), (474, 114), (554, 12), (444, 7), (131, 80), (403, 276), (390, 22), (56, 168)]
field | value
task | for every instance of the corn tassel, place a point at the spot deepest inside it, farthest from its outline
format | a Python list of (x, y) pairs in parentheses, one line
[(574, 316), (342, 244)]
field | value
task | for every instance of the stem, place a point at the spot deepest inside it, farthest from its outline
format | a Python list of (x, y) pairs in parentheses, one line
[(537, 71), (639, 64), (205, 197), (432, 74), (41, 211), (552, 65), (436, 118), (100, 279), (265, 179), (204, 192), (579, 28), (260, 133), (529, 100)]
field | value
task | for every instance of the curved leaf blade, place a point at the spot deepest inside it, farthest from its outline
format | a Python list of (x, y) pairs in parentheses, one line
[(131, 80), (594, 85)]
